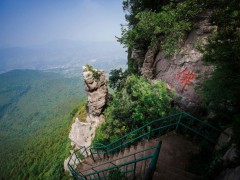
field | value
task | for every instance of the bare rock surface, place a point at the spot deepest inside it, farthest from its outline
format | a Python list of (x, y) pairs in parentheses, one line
[(96, 89), (82, 133), (224, 138), (185, 70), (231, 154), (230, 174)]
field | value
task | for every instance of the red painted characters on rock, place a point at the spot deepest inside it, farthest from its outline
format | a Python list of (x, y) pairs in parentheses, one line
[(186, 77)]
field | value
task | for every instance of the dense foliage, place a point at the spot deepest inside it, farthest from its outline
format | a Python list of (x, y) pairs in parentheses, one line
[(116, 78), (221, 91), (164, 27), (35, 121), (138, 103)]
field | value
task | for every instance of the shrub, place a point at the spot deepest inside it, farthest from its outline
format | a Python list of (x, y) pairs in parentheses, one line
[(138, 103)]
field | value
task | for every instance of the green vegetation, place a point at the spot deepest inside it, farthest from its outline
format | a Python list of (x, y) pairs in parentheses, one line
[(80, 112), (221, 91), (136, 104), (35, 123), (164, 27), (116, 78), (116, 175), (96, 74)]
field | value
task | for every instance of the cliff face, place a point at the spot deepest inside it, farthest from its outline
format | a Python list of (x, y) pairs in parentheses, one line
[(82, 133), (97, 92), (184, 71)]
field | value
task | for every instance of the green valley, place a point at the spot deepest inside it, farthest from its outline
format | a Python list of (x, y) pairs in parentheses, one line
[(35, 121)]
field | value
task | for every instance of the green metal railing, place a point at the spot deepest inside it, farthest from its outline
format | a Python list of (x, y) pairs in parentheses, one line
[(76, 159), (182, 122), (128, 166)]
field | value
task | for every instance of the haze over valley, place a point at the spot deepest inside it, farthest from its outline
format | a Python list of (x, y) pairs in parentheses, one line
[(63, 54), (43, 46)]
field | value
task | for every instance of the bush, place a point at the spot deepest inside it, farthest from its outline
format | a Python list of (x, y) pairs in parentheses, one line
[(116, 175), (138, 103), (116, 77)]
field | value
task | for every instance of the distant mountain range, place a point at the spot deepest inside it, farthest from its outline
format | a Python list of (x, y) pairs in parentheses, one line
[(63, 54)]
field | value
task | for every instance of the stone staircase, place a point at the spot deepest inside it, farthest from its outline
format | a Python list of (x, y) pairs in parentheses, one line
[(172, 164), (139, 158)]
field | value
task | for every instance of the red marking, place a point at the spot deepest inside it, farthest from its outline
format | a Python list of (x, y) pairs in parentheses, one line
[(186, 77)]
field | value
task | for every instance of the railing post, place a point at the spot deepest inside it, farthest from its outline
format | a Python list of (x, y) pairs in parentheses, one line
[(121, 145), (180, 117), (97, 173), (153, 163), (106, 151), (92, 154), (135, 164), (149, 133), (79, 161), (86, 151)]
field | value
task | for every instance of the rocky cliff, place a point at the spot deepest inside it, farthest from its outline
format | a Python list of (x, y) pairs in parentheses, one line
[(82, 133), (183, 72), (97, 92)]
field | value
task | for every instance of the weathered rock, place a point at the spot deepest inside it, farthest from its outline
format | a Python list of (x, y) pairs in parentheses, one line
[(137, 56), (82, 133), (147, 69), (229, 174), (231, 154), (224, 138), (185, 70), (97, 91), (65, 164)]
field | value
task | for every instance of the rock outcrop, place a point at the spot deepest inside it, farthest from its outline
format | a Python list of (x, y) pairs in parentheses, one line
[(82, 133), (184, 71), (97, 92), (224, 138), (230, 174)]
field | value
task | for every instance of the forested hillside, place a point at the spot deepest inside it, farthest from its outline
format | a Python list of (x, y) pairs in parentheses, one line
[(35, 121)]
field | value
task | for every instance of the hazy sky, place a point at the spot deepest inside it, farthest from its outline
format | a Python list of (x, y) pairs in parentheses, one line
[(29, 22)]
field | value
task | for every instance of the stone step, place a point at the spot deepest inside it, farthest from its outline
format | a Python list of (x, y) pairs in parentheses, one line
[(168, 175), (163, 168), (172, 163)]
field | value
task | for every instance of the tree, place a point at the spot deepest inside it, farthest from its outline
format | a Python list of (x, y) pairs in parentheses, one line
[(138, 103), (116, 78)]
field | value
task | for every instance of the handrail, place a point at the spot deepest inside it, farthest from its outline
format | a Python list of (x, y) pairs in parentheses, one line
[(205, 123), (121, 158), (153, 164), (74, 164), (98, 144), (163, 118), (117, 144), (114, 166), (175, 121)]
